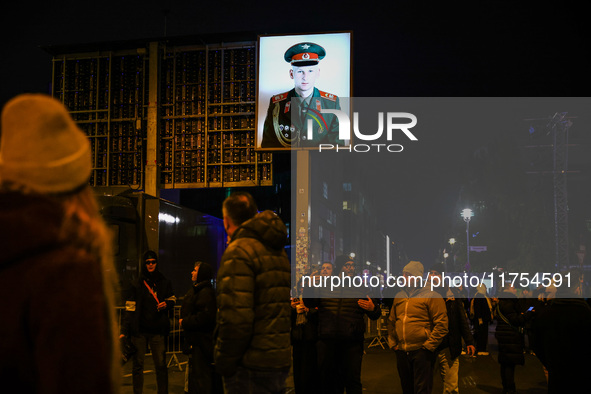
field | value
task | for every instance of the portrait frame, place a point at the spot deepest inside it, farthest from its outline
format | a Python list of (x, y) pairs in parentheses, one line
[(273, 71)]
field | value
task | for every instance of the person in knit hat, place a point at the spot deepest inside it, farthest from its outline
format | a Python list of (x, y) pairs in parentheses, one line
[(42, 149), (417, 325), (146, 321), (414, 268), (62, 332)]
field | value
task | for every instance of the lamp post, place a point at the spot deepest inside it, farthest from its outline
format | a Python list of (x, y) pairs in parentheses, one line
[(467, 215)]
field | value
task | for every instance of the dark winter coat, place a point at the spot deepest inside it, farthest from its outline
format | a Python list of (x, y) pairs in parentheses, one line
[(307, 331), (458, 328), (54, 334), (253, 295), (563, 344), (508, 335), (198, 312), (341, 317), (481, 309), (141, 308)]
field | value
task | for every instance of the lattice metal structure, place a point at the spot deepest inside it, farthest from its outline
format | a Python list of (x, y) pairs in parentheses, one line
[(165, 115), (558, 127), (105, 94), (207, 128)]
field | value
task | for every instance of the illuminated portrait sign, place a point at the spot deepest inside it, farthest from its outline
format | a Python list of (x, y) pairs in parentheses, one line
[(301, 80)]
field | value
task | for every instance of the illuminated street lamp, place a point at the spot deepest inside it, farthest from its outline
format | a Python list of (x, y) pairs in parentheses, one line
[(467, 215)]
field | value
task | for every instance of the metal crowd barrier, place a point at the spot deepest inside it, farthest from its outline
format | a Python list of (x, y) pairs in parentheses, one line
[(174, 339)]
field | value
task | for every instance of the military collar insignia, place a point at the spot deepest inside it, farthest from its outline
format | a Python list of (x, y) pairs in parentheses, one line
[(328, 96), (279, 97)]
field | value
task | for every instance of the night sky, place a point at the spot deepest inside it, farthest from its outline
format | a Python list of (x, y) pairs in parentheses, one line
[(410, 49)]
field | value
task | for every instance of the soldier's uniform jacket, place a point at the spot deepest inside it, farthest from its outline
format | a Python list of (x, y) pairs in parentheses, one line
[(285, 127)]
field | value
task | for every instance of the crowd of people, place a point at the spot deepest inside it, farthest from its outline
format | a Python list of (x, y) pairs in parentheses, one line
[(429, 330), (244, 326)]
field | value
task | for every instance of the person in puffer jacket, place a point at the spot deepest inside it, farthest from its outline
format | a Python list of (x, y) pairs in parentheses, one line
[(416, 326), (253, 344)]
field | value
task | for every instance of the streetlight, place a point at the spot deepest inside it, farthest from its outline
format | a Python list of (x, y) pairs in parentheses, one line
[(466, 215)]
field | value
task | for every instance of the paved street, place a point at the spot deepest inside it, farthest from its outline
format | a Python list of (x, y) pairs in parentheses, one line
[(477, 375)]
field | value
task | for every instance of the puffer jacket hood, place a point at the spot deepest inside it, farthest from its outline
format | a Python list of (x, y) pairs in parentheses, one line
[(266, 227), (253, 289)]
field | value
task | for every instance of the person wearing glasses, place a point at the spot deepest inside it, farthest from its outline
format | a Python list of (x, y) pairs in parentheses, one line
[(341, 330), (146, 321)]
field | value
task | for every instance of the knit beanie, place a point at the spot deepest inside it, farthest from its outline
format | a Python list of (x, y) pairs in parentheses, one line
[(41, 147), (149, 255), (145, 274), (340, 261), (438, 267), (415, 268)]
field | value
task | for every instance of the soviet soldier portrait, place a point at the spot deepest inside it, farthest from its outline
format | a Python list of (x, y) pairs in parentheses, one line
[(286, 124)]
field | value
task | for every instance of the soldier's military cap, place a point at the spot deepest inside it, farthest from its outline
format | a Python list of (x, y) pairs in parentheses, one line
[(304, 54)]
